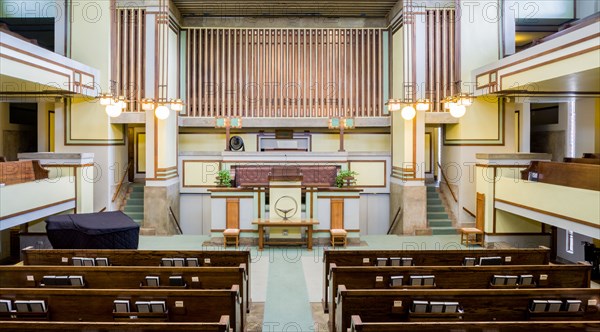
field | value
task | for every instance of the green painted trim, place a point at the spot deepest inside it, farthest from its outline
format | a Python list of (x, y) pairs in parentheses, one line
[(70, 141), (493, 141)]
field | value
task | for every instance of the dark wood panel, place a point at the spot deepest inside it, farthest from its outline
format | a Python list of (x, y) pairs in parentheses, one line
[(359, 326), (34, 326), (456, 277), (539, 256), (88, 305), (478, 305)]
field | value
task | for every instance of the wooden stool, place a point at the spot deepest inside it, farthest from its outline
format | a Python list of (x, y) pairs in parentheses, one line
[(338, 234), (231, 234), (465, 234)]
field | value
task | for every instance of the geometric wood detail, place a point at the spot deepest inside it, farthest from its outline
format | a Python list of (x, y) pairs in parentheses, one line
[(480, 212)]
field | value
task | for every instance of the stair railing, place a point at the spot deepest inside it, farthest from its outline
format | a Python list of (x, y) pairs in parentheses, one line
[(121, 183), (172, 214), (447, 183), (395, 220), (469, 212)]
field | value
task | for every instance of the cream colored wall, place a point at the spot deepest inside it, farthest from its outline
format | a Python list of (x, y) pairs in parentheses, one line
[(321, 142), (586, 125), (459, 164), (479, 123), (397, 64), (200, 173)]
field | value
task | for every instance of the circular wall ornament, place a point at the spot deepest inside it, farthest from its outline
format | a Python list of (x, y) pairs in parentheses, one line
[(284, 205)]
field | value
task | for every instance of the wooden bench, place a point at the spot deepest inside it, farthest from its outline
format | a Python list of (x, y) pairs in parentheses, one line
[(128, 277), (358, 325), (465, 236), (34, 326), (456, 277), (475, 305), (576, 175), (132, 257), (14, 172), (91, 305), (533, 256)]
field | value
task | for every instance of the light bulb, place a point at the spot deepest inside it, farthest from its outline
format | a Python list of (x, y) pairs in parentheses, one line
[(162, 112), (422, 105), (147, 104), (105, 99), (121, 103), (408, 112), (113, 110), (177, 105), (458, 111)]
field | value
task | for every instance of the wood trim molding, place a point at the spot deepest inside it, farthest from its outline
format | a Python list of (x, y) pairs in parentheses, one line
[(185, 161), (548, 213), (385, 167)]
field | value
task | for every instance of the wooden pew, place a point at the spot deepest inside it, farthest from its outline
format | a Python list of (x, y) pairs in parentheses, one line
[(34, 326), (358, 325), (527, 256), (14, 172), (378, 305), (92, 305), (128, 277), (456, 277), (576, 175), (132, 257)]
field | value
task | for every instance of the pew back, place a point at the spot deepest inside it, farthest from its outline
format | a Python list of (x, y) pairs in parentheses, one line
[(527, 256), (359, 326), (222, 325), (129, 277), (90, 305), (133, 257), (14, 172), (456, 277), (477, 305)]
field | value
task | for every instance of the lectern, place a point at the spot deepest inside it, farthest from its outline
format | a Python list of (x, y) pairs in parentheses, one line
[(285, 200)]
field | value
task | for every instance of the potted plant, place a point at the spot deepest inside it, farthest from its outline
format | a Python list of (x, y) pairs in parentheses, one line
[(224, 178), (345, 176)]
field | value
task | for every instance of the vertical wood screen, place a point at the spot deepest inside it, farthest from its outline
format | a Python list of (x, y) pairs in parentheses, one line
[(441, 56), (284, 72), (130, 56)]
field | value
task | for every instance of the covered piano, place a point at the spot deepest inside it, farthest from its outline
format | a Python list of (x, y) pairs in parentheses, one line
[(104, 230)]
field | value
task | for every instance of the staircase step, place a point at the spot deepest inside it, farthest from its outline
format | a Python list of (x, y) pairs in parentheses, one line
[(439, 223), (431, 189), (436, 201), (135, 215), (437, 215), (432, 194), (435, 208), (133, 208), (443, 230), (136, 194)]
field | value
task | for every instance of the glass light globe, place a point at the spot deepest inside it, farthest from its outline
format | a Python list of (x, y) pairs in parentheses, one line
[(113, 110), (408, 112), (458, 111), (162, 112), (105, 99), (422, 105)]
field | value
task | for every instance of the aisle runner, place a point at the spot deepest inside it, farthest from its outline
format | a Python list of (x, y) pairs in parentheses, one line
[(287, 307)]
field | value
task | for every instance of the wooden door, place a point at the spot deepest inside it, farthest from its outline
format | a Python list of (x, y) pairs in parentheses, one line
[(232, 213), (337, 213), (480, 213)]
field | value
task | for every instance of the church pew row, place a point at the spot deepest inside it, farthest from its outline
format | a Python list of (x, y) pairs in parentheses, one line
[(132, 257), (474, 305), (526, 256), (92, 305), (576, 326), (127, 277), (34, 326), (457, 277)]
